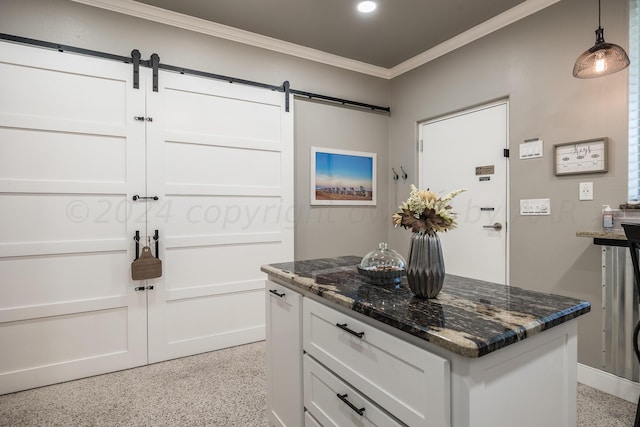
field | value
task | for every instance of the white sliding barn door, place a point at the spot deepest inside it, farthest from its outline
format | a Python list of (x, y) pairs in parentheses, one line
[(70, 156), (220, 159)]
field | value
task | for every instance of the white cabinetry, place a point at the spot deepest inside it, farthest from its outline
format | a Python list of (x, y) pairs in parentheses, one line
[(409, 382), (355, 371), (309, 421), (284, 356)]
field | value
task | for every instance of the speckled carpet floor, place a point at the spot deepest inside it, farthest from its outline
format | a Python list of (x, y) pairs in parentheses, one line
[(220, 388)]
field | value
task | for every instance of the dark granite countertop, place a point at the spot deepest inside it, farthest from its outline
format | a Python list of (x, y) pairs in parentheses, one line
[(469, 317)]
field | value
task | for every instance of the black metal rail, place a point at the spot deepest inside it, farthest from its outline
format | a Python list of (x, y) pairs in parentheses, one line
[(154, 63)]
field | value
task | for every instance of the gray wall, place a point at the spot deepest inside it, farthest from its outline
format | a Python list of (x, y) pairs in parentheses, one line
[(530, 62), (327, 231), (319, 231)]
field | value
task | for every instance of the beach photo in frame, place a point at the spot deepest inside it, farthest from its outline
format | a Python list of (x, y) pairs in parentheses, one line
[(341, 177)]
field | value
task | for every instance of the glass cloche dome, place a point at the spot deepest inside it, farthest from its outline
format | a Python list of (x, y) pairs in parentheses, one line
[(383, 266)]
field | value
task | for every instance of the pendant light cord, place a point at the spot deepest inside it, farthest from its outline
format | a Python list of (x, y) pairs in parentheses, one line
[(599, 14)]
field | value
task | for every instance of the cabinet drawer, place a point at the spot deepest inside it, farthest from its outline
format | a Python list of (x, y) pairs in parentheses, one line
[(284, 356), (282, 295), (409, 382), (321, 398), (309, 421)]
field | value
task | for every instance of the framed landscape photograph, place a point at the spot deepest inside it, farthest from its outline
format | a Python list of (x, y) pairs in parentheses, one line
[(340, 177)]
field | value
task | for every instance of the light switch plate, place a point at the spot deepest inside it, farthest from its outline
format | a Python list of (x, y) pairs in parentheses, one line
[(531, 149), (586, 191), (535, 207)]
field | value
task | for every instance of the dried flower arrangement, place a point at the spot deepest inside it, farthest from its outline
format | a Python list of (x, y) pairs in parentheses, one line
[(425, 212)]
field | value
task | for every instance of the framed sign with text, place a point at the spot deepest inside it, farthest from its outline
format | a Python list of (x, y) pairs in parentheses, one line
[(589, 156)]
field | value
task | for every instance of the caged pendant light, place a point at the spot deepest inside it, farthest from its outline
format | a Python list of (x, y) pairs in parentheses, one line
[(602, 59)]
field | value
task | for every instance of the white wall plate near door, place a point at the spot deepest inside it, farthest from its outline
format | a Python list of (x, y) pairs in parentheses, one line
[(535, 207)]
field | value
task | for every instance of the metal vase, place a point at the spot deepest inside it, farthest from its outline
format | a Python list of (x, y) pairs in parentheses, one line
[(425, 265)]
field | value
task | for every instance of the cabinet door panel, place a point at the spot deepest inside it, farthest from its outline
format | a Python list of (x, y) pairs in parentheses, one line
[(284, 356)]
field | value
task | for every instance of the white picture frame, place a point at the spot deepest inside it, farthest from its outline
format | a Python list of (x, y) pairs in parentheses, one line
[(342, 177)]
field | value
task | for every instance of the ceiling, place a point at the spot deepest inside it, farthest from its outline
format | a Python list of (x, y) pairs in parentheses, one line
[(396, 32)]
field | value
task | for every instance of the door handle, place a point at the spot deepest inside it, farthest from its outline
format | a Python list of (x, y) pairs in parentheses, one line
[(138, 197), (496, 226)]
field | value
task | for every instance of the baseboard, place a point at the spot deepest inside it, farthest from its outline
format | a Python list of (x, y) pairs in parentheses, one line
[(609, 383)]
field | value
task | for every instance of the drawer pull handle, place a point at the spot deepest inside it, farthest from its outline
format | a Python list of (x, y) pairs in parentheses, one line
[(273, 291), (343, 326), (343, 397)]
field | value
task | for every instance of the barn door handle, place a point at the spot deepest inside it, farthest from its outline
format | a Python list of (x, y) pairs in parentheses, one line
[(496, 226), (137, 239), (156, 237), (137, 197)]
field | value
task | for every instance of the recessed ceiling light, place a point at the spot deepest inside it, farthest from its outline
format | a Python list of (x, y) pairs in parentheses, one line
[(367, 6)]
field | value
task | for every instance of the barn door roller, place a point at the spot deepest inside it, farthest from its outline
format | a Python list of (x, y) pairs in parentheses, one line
[(135, 57), (155, 61)]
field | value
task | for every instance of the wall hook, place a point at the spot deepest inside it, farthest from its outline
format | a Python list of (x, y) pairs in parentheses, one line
[(404, 174), (395, 174)]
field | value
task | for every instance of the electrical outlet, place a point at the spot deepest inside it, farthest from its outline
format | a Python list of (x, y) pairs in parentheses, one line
[(586, 191)]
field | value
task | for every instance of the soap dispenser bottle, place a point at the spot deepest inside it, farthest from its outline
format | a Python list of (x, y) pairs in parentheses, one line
[(607, 218)]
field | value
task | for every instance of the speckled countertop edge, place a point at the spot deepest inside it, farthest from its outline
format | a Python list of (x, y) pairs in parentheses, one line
[(613, 235)]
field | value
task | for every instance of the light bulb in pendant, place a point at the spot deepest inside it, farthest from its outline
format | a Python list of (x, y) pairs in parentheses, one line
[(601, 63)]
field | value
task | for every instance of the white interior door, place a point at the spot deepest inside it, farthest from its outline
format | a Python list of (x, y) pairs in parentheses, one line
[(465, 150), (70, 156), (220, 159)]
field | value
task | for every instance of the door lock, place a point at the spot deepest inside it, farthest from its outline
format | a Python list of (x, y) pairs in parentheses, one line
[(496, 226)]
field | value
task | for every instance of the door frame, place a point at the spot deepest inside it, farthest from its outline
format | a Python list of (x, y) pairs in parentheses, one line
[(461, 112)]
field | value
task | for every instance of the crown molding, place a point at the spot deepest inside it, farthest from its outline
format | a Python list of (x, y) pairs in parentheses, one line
[(163, 16), (179, 20), (529, 7)]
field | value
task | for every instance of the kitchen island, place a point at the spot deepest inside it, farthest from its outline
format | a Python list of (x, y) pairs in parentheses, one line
[(341, 351)]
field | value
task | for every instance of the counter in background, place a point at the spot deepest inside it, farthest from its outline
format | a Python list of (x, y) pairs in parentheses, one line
[(619, 310), (608, 238)]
